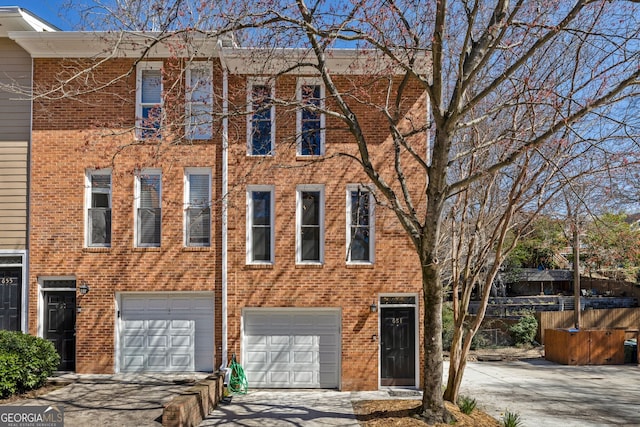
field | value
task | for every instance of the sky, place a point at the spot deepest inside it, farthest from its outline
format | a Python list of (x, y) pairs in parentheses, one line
[(51, 11)]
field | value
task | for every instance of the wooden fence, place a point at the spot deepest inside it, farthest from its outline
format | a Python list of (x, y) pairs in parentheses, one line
[(615, 318)]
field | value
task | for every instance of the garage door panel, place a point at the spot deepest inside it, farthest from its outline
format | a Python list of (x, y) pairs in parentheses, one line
[(256, 340), (157, 324), (164, 333), (180, 359), (304, 378), (304, 340), (292, 349), (133, 362), (281, 356), (158, 341), (181, 341), (134, 340), (279, 341), (303, 357)]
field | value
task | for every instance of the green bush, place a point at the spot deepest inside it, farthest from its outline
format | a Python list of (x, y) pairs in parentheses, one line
[(478, 341), (25, 362), (447, 325), (524, 332)]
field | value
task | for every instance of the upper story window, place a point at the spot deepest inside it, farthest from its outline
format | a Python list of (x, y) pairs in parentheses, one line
[(148, 200), (148, 99), (360, 225), (197, 213), (98, 208), (260, 224), (261, 119), (199, 100), (310, 118), (310, 224)]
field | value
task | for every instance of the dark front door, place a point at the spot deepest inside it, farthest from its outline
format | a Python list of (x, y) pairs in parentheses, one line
[(10, 298), (60, 326), (397, 346)]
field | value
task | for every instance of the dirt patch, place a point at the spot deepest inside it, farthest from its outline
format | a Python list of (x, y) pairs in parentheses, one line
[(505, 353), (400, 413)]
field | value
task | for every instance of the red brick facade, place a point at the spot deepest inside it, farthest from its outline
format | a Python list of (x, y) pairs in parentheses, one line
[(70, 136), (335, 283)]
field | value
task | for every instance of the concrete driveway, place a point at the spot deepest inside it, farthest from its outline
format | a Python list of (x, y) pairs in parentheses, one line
[(548, 394), (543, 393), (308, 408), (114, 400)]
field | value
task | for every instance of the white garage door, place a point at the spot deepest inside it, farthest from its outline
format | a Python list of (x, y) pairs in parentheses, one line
[(291, 348), (166, 332)]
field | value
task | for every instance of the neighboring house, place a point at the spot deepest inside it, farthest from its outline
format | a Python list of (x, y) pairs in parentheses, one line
[(162, 247), (534, 281), (15, 122)]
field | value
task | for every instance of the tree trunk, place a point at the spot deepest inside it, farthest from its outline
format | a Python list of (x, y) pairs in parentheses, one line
[(433, 410)]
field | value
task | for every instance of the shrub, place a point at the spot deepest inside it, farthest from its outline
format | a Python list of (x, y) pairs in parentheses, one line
[(467, 404), (478, 341), (524, 332), (511, 419), (25, 362)]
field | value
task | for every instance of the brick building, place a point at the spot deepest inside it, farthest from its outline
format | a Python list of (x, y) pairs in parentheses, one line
[(190, 209)]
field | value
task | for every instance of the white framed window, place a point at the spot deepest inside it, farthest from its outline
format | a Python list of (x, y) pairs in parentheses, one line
[(98, 208), (310, 120), (261, 135), (148, 99), (197, 207), (199, 100), (360, 225), (260, 224), (310, 224), (148, 208)]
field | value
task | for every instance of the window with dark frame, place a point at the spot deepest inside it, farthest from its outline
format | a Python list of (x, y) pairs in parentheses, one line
[(310, 226), (310, 121), (360, 226), (261, 120), (261, 226)]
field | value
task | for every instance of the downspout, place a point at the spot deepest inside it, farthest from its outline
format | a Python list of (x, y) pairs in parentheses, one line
[(225, 189)]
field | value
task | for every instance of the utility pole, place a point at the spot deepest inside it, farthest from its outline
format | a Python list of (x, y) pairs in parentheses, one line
[(576, 271)]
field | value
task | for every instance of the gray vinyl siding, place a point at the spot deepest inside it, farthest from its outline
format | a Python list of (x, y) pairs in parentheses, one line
[(15, 109), (15, 123)]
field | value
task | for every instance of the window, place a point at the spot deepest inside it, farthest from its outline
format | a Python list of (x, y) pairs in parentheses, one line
[(360, 225), (310, 120), (310, 224), (260, 224), (149, 99), (199, 97), (197, 207), (148, 208), (98, 204), (260, 121)]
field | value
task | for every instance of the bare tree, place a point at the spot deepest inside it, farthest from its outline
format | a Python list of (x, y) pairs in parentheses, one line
[(511, 87)]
